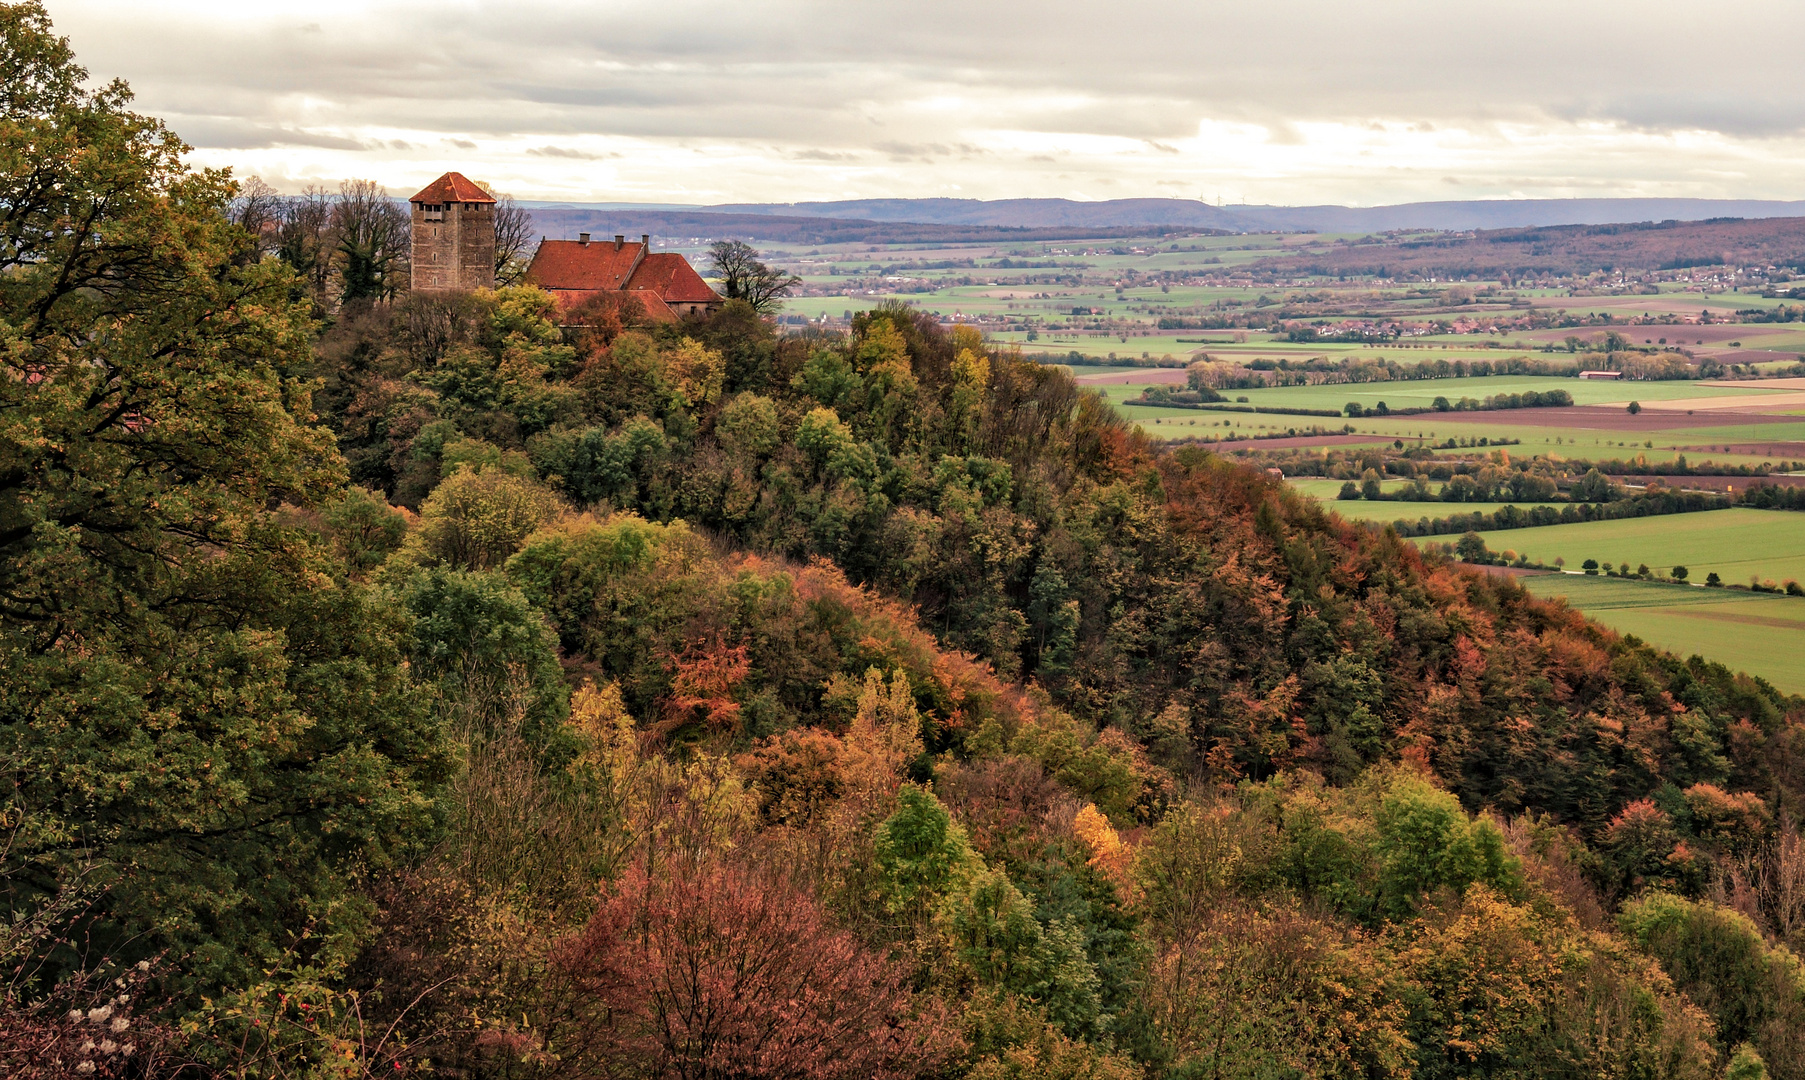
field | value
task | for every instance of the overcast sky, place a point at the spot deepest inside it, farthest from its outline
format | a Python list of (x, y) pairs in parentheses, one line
[(1282, 101)]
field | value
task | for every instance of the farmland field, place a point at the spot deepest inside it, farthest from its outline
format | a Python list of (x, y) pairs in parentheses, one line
[(1385, 512), (1421, 393), (1325, 492), (1736, 543), (1576, 433), (1760, 633)]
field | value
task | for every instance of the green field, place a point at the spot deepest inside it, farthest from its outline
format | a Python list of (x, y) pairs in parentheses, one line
[(1361, 510), (1325, 492), (1759, 633), (1735, 543), (1421, 393), (1560, 443)]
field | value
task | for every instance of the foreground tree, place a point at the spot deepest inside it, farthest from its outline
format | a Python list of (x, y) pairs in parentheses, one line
[(743, 277), (193, 716), (724, 971)]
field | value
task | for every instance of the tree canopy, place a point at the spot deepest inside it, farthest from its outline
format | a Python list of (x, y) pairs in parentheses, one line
[(194, 714)]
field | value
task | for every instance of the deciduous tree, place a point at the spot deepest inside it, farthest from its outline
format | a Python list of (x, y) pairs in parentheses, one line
[(743, 277), (721, 971)]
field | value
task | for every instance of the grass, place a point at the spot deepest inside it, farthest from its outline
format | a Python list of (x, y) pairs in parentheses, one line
[(1759, 633), (1561, 443), (1421, 393), (1361, 510), (1325, 492), (1735, 543)]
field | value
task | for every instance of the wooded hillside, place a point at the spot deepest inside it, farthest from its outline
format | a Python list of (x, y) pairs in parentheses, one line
[(451, 686)]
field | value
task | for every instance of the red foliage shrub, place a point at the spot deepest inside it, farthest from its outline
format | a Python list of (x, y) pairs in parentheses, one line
[(726, 971)]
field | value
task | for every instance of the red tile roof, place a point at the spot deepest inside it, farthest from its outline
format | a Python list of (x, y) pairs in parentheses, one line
[(450, 188), (571, 264), (671, 277), (655, 309), (660, 279)]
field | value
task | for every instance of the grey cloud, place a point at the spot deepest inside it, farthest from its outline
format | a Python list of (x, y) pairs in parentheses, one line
[(809, 79), (567, 152), (1670, 110), (227, 133)]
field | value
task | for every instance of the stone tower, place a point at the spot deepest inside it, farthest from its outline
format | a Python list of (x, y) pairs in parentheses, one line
[(454, 236)]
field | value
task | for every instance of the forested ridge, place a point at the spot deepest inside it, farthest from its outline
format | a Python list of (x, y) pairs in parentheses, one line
[(450, 686)]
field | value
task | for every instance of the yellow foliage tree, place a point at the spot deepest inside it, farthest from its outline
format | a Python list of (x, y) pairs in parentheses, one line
[(1109, 855)]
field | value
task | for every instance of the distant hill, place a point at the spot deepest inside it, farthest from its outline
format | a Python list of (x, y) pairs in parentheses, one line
[(1067, 214), (1564, 249), (566, 220)]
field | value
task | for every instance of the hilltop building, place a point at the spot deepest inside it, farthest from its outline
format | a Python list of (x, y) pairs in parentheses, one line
[(664, 282), (453, 236), (454, 250)]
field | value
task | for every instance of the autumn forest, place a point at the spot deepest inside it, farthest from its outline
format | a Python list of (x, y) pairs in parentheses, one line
[(445, 685)]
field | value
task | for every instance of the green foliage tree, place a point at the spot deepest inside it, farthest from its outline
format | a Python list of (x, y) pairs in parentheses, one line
[(475, 520), (192, 713), (1754, 992), (487, 650), (1426, 842), (1471, 548), (364, 529), (996, 936), (921, 853)]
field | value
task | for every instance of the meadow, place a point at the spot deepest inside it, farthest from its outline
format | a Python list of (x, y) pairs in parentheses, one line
[(1755, 632), (1660, 436), (1387, 512), (1326, 492), (1737, 543), (1421, 393)]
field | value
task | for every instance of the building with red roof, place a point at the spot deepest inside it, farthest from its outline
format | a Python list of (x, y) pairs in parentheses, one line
[(453, 235), (664, 282)]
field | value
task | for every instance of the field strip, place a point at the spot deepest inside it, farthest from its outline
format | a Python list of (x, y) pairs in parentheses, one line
[(1766, 400), (1748, 620), (1760, 633)]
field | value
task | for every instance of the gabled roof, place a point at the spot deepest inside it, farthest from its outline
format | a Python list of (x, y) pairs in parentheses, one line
[(671, 276), (450, 188), (571, 264), (655, 309)]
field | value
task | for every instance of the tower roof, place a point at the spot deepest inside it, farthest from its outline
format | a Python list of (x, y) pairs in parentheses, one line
[(453, 187)]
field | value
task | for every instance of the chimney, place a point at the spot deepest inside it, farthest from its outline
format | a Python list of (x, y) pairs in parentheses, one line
[(619, 239), (583, 238), (645, 241)]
